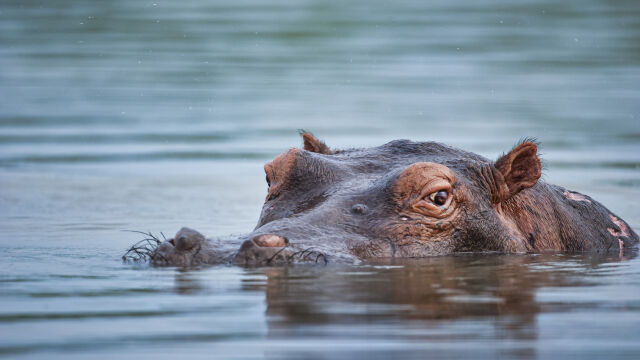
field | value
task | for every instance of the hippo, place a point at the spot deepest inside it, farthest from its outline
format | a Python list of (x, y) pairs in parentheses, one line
[(404, 199)]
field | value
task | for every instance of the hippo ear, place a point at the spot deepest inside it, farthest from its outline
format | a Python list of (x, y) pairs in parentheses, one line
[(314, 145), (520, 168)]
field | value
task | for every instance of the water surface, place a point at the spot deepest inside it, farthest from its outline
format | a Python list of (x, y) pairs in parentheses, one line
[(152, 115)]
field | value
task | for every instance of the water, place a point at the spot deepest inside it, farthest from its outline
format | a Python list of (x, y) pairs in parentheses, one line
[(146, 115)]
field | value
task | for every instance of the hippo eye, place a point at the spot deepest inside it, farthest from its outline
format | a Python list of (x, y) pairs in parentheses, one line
[(439, 197)]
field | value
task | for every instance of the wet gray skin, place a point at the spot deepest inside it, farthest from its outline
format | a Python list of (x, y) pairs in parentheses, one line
[(405, 199)]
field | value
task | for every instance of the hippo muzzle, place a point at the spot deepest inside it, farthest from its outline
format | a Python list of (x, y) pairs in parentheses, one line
[(190, 248)]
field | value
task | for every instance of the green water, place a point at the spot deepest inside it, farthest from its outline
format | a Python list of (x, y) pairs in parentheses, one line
[(152, 115)]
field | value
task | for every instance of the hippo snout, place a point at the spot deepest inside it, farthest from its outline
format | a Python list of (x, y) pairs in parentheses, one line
[(190, 248)]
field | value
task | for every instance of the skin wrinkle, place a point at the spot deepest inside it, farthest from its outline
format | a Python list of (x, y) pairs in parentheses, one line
[(497, 206), (499, 190)]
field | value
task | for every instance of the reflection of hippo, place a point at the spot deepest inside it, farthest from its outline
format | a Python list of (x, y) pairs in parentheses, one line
[(405, 199), (436, 306)]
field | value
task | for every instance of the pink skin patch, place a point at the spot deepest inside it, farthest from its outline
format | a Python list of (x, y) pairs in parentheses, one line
[(270, 240), (621, 243), (624, 230), (576, 196)]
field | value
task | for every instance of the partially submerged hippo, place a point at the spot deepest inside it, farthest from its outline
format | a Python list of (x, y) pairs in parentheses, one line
[(405, 199)]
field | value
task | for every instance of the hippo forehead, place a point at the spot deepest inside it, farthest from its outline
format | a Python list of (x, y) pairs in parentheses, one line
[(371, 163), (402, 153)]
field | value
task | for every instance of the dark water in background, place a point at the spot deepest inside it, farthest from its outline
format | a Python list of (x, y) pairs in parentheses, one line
[(153, 115)]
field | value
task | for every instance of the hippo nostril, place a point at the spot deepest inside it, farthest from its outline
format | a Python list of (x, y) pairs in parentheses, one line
[(359, 208), (270, 240)]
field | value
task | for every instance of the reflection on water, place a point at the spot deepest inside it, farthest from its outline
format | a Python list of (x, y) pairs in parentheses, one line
[(152, 115), (448, 306), (534, 306)]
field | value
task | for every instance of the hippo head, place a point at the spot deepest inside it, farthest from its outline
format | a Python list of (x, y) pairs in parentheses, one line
[(401, 199)]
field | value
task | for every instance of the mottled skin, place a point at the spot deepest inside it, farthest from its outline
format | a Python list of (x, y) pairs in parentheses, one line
[(405, 199)]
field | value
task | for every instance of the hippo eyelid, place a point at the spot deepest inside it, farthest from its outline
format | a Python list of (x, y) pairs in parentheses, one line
[(436, 186)]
